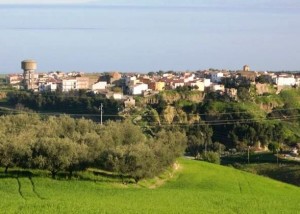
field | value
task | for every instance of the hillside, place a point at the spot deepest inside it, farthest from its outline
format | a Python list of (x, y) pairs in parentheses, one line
[(198, 187)]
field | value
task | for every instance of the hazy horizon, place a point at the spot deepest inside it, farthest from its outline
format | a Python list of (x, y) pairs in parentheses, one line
[(92, 37)]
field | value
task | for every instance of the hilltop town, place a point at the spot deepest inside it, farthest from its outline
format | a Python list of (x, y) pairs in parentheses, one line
[(218, 111), (135, 106), (122, 86)]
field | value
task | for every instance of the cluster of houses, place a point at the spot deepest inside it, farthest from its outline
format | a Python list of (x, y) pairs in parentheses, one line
[(143, 84)]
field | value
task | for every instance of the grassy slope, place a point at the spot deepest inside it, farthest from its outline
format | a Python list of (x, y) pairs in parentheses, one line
[(198, 188)]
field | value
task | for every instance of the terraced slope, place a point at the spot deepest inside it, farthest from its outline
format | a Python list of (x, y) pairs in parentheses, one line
[(196, 188)]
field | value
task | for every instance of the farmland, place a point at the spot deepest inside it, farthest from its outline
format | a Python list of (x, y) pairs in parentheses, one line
[(196, 187)]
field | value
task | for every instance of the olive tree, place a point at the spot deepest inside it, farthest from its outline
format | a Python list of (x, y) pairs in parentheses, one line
[(54, 154)]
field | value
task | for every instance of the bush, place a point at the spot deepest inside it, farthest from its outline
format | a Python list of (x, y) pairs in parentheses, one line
[(211, 157)]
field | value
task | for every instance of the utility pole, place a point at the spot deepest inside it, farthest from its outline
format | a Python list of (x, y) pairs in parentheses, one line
[(277, 157), (205, 145), (101, 113), (248, 154)]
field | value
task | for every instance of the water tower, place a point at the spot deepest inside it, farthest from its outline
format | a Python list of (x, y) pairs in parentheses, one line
[(246, 68), (29, 67)]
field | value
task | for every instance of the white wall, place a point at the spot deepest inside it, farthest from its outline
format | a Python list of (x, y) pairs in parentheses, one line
[(138, 89), (207, 82), (99, 86), (68, 85), (285, 81), (216, 77)]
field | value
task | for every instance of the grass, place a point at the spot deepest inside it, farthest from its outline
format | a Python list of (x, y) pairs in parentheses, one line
[(265, 164), (262, 157), (197, 187), (253, 109), (246, 107), (291, 97), (289, 173)]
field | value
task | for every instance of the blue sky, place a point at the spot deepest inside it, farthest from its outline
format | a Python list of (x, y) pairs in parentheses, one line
[(224, 3), (206, 34)]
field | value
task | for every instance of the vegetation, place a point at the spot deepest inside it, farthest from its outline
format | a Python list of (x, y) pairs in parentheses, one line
[(211, 157), (209, 122), (195, 187), (65, 144), (76, 102), (288, 173), (233, 123)]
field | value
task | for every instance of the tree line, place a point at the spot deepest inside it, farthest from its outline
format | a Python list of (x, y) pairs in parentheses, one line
[(240, 128), (70, 103), (65, 144)]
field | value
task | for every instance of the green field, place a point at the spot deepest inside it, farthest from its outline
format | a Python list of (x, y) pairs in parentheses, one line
[(197, 187)]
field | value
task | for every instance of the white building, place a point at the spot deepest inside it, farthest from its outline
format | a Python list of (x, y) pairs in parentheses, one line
[(56, 75), (138, 89), (118, 96), (207, 82), (218, 87), (189, 77), (130, 80), (285, 80), (48, 86), (216, 77), (68, 84), (197, 83), (298, 80), (99, 86), (178, 83)]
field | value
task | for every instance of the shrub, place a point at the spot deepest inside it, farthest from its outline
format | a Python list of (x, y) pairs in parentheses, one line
[(211, 157)]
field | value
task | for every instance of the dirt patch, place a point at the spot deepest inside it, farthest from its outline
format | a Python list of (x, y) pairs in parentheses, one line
[(167, 176)]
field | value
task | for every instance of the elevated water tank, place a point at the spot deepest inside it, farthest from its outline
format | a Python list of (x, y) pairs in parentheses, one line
[(29, 65)]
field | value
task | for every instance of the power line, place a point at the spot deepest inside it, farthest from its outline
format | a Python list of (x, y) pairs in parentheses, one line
[(115, 115), (209, 122)]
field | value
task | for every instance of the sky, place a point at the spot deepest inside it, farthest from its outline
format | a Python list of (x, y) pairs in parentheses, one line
[(160, 35), (42, 1), (224, 3)]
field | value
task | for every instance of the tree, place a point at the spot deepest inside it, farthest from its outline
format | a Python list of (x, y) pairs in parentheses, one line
[(243, 94), (79, 158), (139, 162), (199, 138), (16, 135), (167, 146), (117, 90), (264, 79), (8, 153), (14, 151), (152, 116), (53, 154), (274, 147), (66, 144)]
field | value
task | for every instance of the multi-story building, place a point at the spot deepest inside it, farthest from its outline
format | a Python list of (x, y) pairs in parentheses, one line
[(14, 79), (198, 84), (138, 89), (48, 85), (82, 83), (285, 80), (157, 86), (216, 77), (177, 83), (68, 84), (99, 86)]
